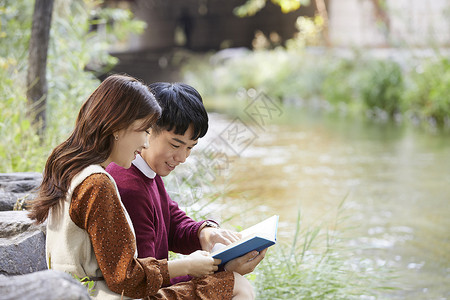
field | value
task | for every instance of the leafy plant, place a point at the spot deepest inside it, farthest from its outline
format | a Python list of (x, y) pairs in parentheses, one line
[(251, 7), (339, 83), (428, 90), (309, 33), (86, 282), (21, 148), (381, 86)]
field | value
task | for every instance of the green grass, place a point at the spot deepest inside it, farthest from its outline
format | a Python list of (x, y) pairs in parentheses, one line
[(318, 264)]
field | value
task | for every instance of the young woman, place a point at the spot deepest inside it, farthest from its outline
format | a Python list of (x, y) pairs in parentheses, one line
[(89, 232)]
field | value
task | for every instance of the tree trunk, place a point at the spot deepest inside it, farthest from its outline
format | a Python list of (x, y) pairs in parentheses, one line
[(382, 16), (37, 61), (322, 10)]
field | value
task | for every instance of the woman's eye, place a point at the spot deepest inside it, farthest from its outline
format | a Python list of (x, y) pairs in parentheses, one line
[(147, 132)]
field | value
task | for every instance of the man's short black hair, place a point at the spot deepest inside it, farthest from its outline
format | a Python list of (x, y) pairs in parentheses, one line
[(181, 106)]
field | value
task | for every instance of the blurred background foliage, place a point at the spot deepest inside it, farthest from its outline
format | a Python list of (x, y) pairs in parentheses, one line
[(299, 72), (76, 55), (413, 90)]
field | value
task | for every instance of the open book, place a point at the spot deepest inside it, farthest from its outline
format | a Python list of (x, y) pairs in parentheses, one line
[(257, 237)]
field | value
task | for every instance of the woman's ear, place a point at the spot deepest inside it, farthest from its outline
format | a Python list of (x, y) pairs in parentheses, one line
[(116, 135)]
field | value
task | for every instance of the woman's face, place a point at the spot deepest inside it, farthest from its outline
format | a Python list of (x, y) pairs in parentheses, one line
[(128, 143), (167, 150)]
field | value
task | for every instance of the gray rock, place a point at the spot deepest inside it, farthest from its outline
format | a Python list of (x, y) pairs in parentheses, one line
[(22, 248), (14, 186), (48, 285), (22, 244)]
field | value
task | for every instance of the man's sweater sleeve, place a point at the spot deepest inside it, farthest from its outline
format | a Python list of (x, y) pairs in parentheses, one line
[(183, 231), (142, 215)]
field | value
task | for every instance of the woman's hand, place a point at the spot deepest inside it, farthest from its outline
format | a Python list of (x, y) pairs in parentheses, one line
[(196, 264), (246, 263), (200, 263)]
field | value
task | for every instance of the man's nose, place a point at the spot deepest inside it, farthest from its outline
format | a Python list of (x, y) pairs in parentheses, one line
[(180, 156)]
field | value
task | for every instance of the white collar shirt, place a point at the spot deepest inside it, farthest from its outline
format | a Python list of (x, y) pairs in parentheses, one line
[(142, 165)]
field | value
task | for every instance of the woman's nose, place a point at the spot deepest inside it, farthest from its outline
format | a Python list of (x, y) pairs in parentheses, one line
[(146, 144)]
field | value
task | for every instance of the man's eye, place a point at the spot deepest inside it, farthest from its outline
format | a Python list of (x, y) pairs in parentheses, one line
[(147, 132), (175, 146)]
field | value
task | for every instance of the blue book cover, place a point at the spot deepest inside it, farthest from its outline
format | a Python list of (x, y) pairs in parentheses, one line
[(257, 237)]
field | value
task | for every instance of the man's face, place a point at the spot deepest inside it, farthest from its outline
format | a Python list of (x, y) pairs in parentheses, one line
[(167, 150)]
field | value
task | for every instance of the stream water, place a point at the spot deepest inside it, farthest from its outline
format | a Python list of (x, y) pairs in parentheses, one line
[(395, 181)]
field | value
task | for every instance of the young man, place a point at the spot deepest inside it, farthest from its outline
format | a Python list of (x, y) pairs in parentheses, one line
[(159, 223)]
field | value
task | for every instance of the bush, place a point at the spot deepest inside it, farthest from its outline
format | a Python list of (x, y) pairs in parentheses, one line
[(427, 95), (339, 84), (381, 86), (278, 73), (20, 149), (364, 84)]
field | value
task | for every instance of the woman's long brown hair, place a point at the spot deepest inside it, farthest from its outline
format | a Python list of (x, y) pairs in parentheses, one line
[(114, 105)]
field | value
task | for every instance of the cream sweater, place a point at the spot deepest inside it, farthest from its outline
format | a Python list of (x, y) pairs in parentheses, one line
[(68, 247)]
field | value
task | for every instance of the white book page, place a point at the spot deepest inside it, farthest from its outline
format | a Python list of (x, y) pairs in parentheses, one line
[(266, 229)]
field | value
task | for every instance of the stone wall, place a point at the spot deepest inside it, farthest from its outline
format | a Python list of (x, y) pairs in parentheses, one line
[(17, 186), (22, 244), (23, 268)]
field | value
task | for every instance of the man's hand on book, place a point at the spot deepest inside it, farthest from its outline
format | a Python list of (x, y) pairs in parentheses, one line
[(246, 263), (210, 236)]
